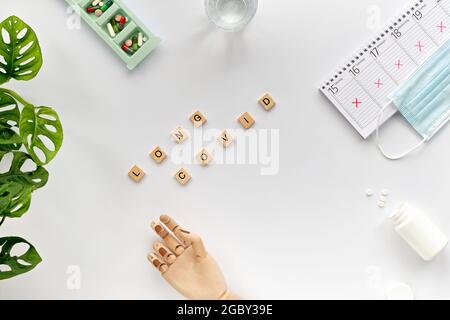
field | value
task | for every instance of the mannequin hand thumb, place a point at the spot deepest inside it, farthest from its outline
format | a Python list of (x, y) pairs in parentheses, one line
[(194, 240)]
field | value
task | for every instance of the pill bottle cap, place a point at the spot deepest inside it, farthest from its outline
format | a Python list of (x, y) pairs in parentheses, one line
[(400, 291)]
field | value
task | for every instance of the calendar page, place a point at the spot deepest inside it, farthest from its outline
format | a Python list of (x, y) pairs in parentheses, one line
[(361, 86)]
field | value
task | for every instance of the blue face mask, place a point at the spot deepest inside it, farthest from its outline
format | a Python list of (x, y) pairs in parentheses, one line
[(424, 100)]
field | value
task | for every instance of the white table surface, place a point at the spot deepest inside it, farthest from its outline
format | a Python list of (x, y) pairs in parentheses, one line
[(307, 232)]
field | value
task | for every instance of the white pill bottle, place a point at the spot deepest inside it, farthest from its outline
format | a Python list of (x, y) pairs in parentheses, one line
[(418, 231)]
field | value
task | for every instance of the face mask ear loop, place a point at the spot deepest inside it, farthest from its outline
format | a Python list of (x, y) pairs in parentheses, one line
[(387, 156)]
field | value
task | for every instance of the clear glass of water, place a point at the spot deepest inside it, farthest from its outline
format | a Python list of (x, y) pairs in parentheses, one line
[(231, 15)]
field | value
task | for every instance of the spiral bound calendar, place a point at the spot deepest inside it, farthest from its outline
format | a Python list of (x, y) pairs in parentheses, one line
[(361, 86)]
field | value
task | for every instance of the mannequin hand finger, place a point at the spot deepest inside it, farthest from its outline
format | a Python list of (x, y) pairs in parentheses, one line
[(157, 263), (169, 239), (191, 239), (164, 252), (185, 236), (170, 223)]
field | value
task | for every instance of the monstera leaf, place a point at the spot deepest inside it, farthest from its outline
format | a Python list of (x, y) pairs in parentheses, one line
[(17, 183), (15, 199), (9, 111), (20, 53), (8, 191), (11, 266), (41, 133), (9, 119), (9, 139)]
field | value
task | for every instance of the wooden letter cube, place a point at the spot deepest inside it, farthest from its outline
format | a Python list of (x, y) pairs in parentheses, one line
[(158, 154), (204, 157), (267, 102), (136, 174), (198, 119), (246, 120), (179, 135), (182, 176), (225, 138)]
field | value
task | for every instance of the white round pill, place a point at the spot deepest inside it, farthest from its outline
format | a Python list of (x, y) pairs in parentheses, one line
[(400, 291), (369, 192), (381, 204), (385, 192)]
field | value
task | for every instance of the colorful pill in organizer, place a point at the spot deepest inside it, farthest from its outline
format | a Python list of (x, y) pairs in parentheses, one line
[(132, 45), (99, 7), (116, 25)]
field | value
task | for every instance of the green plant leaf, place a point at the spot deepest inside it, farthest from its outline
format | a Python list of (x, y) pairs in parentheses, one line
[(9, 121), (16, 265), (21, 56), (15, 199), (18, 183), (41, 132), (9, 111), (36, 177), (8, 191), (9, 139)]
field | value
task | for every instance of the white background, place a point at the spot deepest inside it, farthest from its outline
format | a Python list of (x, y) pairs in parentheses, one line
[(307, 232)]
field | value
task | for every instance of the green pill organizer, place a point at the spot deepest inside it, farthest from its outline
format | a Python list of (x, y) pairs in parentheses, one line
[(133, 27)]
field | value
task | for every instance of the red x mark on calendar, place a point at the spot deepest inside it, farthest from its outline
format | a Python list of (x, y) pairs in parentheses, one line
[(441, 27), (398, 64), (356, 103), (379, 83), (420, 46)]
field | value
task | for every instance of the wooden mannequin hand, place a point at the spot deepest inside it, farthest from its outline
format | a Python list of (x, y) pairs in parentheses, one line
[(185, 264)]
